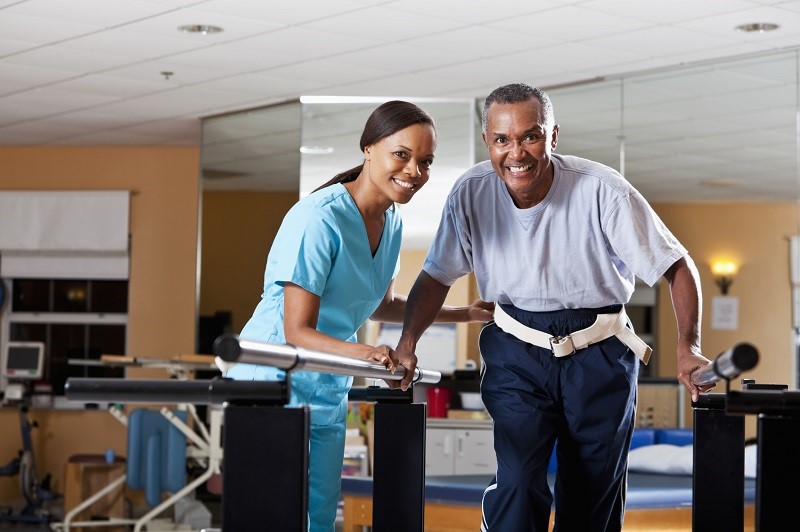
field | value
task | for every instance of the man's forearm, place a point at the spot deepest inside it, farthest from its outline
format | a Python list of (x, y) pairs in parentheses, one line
[(423, 305), (686, 301)]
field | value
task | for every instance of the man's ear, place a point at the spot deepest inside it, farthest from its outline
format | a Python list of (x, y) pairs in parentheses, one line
[(554, 141)]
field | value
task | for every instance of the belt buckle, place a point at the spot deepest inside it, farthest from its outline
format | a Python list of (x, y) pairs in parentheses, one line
[(557, 343)]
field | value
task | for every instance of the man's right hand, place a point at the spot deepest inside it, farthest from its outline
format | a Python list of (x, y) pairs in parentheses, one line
[(405, 357)]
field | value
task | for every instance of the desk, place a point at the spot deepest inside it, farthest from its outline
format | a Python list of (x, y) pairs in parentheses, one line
[(452, 503)]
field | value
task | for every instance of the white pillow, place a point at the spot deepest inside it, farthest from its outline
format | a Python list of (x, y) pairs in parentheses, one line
[(750, 460), (661, 458), (678, 460)]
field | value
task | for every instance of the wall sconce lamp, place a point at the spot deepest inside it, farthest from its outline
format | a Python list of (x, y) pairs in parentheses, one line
[(723, 271)]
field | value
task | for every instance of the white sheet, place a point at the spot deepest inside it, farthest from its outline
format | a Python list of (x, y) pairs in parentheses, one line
[(677, 460)]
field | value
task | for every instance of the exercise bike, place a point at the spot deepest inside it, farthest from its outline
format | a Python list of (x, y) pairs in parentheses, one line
[(36, 492)]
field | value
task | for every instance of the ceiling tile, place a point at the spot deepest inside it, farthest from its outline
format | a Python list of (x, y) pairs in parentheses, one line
[(289, 13), (68, 60), (583, 24), (661, 41), (666, 12), (471, 11), (40, 30), (133, 45), (305, 43), (383, 25), (96, 13), (475, 42)]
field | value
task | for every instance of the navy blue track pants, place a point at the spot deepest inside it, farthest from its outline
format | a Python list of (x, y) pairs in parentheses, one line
[(585, 401)]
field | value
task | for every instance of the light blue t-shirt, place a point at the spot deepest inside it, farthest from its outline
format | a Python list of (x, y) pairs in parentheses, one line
[(580, 247), (322, 246)]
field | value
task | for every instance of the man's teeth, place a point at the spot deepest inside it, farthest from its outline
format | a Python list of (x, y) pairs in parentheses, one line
[(520, 168)]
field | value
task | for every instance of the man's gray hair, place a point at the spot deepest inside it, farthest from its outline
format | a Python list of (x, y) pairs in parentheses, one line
[(516, 93)]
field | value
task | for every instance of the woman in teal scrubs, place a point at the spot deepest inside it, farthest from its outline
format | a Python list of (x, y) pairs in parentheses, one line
[(332, 266)]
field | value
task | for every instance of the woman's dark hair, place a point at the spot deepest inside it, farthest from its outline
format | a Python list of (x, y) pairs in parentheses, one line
[(387, 119)]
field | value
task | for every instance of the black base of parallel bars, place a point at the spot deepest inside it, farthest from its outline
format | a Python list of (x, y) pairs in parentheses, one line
[(718, 440), (717, 503), (265, 480), (398, 484)]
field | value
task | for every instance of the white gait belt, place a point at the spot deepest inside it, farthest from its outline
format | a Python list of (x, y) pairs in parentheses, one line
[(606, 326)]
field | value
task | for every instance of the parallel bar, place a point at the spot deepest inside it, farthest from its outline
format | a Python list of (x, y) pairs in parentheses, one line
[(728, 365), (778, 402), (371, 394), (231, 348), (206, 391)]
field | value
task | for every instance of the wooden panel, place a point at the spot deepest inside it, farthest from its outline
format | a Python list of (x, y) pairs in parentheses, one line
[(657, 405), (82, 479)]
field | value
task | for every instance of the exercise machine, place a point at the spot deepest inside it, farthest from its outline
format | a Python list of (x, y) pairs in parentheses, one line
[(22, 364)]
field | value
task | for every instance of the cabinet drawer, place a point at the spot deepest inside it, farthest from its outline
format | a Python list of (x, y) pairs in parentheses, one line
[(474, 452)]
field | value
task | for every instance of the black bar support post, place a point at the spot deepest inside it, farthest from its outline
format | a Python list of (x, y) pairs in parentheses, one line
[(398, 485), (265, 479), (778, 467), (718, 466)]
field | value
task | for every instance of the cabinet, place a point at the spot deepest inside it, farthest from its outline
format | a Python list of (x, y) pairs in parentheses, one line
[(459, 448)]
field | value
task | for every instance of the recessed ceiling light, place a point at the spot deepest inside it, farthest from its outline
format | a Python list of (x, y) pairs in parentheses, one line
[(202, 29), (316, 150), (759, 27)]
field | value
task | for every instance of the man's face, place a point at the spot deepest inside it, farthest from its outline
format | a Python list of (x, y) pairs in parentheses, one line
[(520, 143)]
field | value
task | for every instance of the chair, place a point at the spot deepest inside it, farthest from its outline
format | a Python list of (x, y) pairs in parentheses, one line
[(158, 445)]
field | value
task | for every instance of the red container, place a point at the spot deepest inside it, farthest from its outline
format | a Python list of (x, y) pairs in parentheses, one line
[(438, 401)]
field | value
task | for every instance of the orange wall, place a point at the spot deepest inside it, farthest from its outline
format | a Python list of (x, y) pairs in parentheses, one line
[(755, 236), (238, 230), (163, 280)]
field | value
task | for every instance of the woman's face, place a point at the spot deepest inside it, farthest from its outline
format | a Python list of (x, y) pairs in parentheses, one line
[(400, 164)]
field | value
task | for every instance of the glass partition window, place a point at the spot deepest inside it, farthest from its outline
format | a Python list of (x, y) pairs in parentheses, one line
[(256, 149), (726, 130)]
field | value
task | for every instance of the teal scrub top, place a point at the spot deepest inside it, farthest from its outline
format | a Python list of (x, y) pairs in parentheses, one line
[(322, 246)]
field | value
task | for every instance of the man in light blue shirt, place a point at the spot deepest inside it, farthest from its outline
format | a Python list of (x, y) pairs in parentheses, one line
[(556, 242)]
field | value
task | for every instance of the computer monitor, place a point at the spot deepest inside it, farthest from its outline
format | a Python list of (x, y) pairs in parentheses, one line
[(24, 361)]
